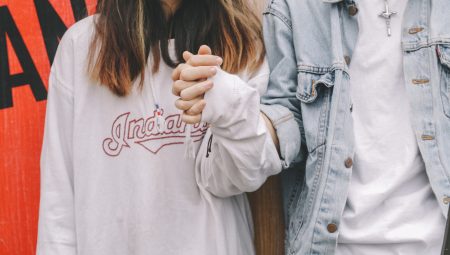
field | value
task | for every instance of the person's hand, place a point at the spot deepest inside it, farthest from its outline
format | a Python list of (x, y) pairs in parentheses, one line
[(191, 82)]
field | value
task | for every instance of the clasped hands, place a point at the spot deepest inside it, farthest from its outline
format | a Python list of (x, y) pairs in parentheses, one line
[(192, 81)]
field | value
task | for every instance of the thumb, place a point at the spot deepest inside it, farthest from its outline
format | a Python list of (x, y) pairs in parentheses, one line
[(187, 55), (204, 50)]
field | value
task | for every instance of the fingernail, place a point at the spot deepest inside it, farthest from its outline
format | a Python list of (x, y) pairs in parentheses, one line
[(213, 70), (219, 61), (209, 85)]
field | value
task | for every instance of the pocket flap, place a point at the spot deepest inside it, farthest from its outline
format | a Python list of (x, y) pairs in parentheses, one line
[(309, 85)]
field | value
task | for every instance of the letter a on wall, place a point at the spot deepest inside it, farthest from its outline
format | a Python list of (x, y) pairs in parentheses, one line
[(30, 31)]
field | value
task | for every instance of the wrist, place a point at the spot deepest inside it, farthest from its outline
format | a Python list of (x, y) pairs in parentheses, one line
[(221, 98)]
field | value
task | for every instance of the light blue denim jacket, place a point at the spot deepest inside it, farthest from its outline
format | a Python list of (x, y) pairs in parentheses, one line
[(309, 46)]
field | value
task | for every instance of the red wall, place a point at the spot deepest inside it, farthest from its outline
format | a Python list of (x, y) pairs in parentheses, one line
[(29, 34)]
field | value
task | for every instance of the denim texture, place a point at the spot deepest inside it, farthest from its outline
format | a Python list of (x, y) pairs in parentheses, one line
[(309, 46)]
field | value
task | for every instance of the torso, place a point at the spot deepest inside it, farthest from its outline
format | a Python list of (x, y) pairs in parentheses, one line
[(391, 208), (135, 191)]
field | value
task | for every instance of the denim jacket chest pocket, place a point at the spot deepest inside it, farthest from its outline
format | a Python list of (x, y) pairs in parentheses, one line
[(444, 58)]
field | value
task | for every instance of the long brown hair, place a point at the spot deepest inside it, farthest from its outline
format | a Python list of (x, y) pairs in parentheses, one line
[(128, 30)]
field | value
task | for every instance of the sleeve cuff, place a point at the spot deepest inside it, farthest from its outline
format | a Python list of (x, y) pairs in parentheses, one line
[(221, 98), (288, 132)]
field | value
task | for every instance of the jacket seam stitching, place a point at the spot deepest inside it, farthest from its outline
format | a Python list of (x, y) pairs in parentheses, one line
[(280, 16), (306, 68), (414, 46), (320, 167), (283, 119)]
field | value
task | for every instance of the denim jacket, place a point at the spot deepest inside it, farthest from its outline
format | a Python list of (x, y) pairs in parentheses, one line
[(309, 46)]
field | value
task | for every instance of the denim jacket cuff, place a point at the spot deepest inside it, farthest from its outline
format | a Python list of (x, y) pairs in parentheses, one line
[(287, 130)]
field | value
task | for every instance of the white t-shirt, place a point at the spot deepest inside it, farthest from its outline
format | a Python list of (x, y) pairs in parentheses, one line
[(112, 184), (391, 208)]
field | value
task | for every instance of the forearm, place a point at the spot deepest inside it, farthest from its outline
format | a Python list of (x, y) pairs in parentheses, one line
[(232, 166), (280, 104), (242, 152), (272, 131)]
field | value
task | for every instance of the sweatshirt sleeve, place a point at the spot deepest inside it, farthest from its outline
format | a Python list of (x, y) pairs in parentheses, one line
[(56, 234), (240, 153)]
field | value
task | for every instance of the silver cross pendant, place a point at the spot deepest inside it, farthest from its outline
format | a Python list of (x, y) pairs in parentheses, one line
[(386, 14)]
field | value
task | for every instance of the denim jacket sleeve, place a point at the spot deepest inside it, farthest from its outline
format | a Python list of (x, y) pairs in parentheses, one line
[(280, 103)]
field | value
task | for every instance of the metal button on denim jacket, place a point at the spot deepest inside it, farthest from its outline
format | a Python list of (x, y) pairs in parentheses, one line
[(309, 45)]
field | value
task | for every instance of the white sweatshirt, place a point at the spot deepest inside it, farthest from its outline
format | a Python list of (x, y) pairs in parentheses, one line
[(111, 184)]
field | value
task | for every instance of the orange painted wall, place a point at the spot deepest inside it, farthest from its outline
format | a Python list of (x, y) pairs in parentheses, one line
[(22, 123)]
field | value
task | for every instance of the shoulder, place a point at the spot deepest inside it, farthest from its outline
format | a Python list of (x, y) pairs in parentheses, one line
[(82, 28), (76, 40), (72, 53), (79, 34), (278, 8)]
